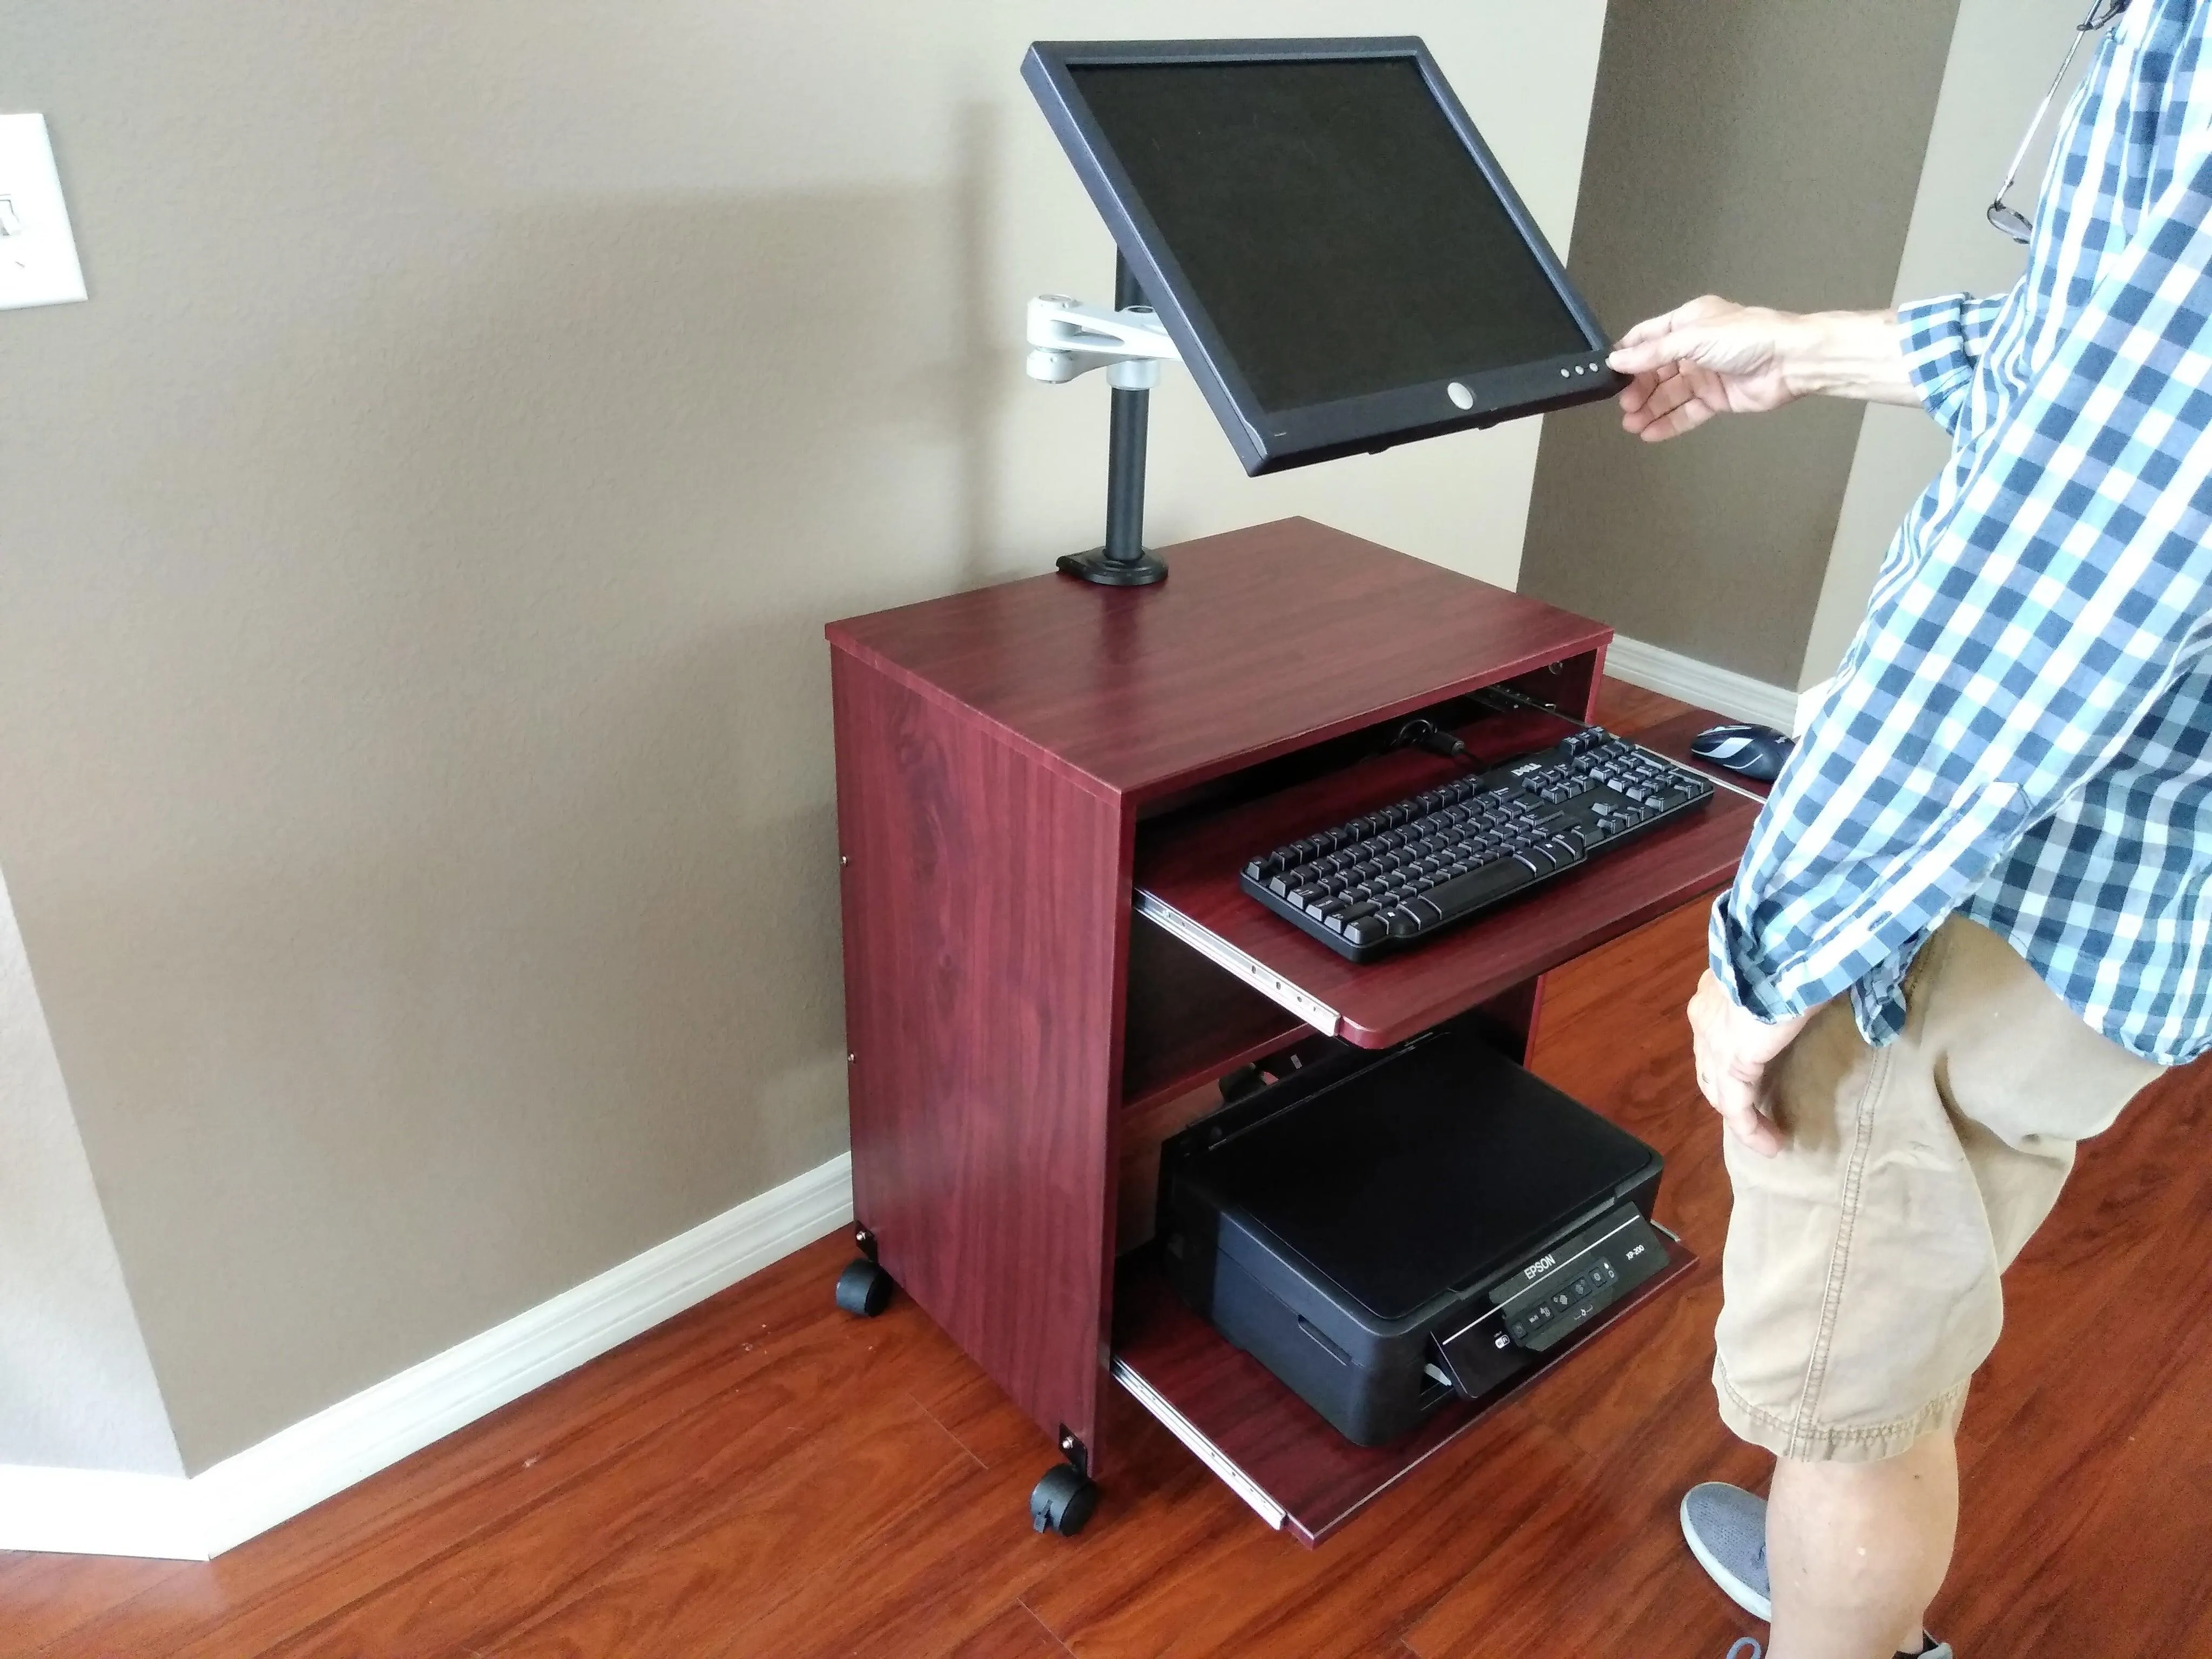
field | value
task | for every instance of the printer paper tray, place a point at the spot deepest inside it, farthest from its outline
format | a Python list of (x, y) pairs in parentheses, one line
[(1297, 1473)]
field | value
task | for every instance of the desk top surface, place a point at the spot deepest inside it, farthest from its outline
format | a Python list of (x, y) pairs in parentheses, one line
[(1259, 642)]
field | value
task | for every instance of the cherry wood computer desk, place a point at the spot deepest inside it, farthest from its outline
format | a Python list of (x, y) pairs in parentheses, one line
[(1045, 792)]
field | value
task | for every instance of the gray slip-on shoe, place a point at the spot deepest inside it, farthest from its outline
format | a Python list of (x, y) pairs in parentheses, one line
[(1725, 1528)]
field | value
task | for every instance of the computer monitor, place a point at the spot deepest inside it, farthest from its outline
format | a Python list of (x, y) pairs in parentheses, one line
[(1335, 253)]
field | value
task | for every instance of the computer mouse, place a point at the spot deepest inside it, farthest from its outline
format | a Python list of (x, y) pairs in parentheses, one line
[(1756, 752)]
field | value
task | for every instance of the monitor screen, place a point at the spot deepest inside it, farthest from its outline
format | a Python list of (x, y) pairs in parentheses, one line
[(1335, 253), (1339, 234)]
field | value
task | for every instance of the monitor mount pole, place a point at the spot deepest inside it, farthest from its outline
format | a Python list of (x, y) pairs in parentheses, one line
[(1067, 338)]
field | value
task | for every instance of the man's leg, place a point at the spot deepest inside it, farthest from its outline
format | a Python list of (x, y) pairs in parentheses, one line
[(1861, 1277), (1855, 1552)]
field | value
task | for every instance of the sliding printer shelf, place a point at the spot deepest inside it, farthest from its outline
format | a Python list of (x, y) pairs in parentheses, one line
[(1273, 1449), (1185, 882)]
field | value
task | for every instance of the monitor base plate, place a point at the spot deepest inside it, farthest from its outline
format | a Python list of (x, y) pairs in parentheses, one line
[(1096, 567)]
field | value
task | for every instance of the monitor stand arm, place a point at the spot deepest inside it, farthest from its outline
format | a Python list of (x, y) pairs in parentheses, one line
[(1067, 339)]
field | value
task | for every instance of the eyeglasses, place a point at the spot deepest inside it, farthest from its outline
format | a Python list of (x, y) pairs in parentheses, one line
[(2007, 218)]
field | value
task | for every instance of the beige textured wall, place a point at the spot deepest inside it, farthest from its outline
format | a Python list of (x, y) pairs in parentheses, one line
[(414, 729), (2003, 53), (1770, 153)]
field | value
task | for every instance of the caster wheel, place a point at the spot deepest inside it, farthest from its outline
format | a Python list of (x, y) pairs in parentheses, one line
[(864, 1289), (1063, 1501)]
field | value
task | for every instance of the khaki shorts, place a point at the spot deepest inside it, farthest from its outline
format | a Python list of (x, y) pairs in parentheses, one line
[(1860, 1277)]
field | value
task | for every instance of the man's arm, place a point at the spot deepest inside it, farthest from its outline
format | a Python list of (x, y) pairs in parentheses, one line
[(1712, 357)]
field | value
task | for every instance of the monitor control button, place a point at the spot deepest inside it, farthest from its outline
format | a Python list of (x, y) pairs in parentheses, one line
[(1458, 393)]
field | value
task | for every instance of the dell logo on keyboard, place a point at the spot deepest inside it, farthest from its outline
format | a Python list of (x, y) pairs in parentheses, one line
[(1538, 1269)]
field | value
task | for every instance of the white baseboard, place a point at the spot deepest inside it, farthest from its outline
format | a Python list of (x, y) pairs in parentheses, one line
[(98, 1512), (1722, 690), (89, 1511)]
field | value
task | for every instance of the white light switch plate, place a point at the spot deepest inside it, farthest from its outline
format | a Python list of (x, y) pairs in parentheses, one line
[(37, 255)]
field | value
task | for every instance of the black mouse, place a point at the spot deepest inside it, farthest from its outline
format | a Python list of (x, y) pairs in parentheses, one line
[(1756, 752)]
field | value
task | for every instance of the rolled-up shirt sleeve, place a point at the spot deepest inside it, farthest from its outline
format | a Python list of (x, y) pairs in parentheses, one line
[(2025, 625), (1942, 341)]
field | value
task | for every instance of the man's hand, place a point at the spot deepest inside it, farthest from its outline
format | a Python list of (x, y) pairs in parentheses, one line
[(1713, 357), (1734, 1047), (1708, 358)]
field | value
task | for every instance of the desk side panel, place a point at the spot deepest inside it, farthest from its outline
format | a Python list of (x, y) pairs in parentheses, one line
[(986, 915)]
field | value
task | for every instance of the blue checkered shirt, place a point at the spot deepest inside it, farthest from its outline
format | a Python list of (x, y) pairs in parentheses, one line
[(2019, 732)]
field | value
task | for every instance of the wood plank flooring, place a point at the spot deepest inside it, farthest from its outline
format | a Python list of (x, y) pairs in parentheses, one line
[(765, 1477)]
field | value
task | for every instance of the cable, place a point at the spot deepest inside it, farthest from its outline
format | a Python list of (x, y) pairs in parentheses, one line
[(1504, 700), (1427, 734)]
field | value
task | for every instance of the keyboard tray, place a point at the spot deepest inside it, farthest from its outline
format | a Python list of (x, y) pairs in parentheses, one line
[(1187, 880), (1520, 825)]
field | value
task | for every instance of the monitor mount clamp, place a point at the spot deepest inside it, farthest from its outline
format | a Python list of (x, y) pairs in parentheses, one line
[(1068, 338)]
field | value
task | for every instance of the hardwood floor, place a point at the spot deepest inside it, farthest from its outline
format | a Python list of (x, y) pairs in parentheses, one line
[(764, 1476)]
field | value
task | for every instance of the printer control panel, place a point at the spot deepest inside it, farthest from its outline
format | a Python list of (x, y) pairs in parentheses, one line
[(1542, 1305), (1538, 1323)]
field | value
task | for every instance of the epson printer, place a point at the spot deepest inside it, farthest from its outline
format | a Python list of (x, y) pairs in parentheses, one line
[(1383, 1232)]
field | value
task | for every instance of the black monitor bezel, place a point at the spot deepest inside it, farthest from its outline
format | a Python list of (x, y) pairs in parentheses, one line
[(1269, 440)]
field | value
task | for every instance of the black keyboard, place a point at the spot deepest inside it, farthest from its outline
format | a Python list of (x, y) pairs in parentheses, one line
[(1400, 874)]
